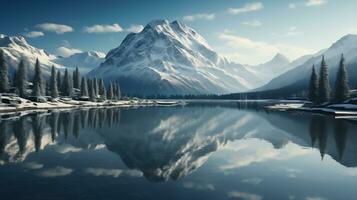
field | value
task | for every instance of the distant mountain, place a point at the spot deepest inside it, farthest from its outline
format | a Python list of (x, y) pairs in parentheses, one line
[(171, 58), (16, 48), (296, 80), (85, 61)]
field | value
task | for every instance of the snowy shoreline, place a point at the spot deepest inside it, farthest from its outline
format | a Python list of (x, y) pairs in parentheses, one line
[(337, 110), (60, 104)]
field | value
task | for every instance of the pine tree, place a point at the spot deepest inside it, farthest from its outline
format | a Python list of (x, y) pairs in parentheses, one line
[(84, 88), (70, 85), (59, 82), (21, 79), (341, 86), (114, 92), (66, 85), (314, 86), (36, 90), (4, 78), (101, 89), (95, 86), (53, 83), (38, 79), (110, 93), (76, 78), (104, 95), (118, 92), (324, 83), (92, 96)]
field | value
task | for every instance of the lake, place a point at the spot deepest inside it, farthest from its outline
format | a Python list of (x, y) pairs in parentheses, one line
[(203, 150)]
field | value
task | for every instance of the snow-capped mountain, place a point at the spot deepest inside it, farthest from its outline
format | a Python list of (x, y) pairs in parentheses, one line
[(170, 58), (85, 61), (16, 48), (298, 77)]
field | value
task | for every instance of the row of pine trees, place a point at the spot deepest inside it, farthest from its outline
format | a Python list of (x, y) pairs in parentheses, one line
[(66, 85), (319, 87)]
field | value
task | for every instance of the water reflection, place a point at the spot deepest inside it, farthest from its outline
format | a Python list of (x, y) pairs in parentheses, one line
[(216, 150), (170, 143)]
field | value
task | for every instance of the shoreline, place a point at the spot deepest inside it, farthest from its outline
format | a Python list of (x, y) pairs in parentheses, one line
[(33, 106)]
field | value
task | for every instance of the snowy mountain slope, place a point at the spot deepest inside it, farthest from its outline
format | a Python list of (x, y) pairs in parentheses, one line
[(298, 77), (170, 58), (85, 61), (16, 48), (267, 71)]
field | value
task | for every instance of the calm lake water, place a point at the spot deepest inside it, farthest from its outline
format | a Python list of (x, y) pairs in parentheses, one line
[(200, 151)]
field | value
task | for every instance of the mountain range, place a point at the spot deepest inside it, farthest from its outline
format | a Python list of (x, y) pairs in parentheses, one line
[(170, 58), (297, 79), (16, 48)]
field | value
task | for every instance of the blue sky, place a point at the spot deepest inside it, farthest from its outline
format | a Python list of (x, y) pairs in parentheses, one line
[(244, 31)]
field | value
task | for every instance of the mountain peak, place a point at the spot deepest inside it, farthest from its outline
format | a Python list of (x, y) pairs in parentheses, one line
[(281, 57), (158, 22), (168, 58)]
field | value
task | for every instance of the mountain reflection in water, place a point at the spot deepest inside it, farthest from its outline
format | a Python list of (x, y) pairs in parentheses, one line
[(164, 143)]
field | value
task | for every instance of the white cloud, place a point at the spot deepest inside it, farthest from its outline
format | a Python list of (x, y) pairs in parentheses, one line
[(33, 165), (65, 51), (113, 172), (246, 50), (314, 198), (67, 148), (203, 16), (292, 31), (253, 181), (34, 34), (254, 23), (103, 28), (249, 7), (198, 186), (55, 28), (135, 28), (104, 172), (263, 153), (310, 3), (55, 172), (133, 173), (292, 5), (243, 195)]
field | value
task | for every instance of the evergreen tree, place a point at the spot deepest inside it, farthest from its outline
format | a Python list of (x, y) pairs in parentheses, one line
[(38, 79), (110, 94), (66, 85), (341, 86), (324, 83), (92, 92), (59, 82), (53, 83), (104, 95), (118, 92), (84, 88), (89, 84), (95, 86), (21, 79), (101, 88), (36, 90), (114, 92), (76, 78), (70, 85), (4, 78), (314, 86)]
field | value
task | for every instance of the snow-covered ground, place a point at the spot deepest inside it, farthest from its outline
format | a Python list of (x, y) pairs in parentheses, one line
[(339, 110), (60, 104)]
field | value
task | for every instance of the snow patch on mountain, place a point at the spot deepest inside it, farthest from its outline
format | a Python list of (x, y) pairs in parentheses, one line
[(298, 77), (16, 48), (85, 61), (170, 58)]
